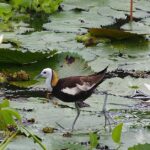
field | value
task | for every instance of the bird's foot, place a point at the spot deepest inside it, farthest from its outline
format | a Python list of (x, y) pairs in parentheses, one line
[(67, 132), (108, 119), (82, 104)]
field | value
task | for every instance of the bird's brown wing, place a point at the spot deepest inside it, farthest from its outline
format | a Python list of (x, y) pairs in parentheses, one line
[(77, 84)]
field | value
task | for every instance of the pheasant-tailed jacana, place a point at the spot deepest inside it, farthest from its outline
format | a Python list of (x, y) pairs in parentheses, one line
[(72, 89)]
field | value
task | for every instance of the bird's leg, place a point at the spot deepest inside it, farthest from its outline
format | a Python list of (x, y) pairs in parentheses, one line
[(78, 113), (77, 106), (105, 102), (104, 110), (48, 95), (106, 114)]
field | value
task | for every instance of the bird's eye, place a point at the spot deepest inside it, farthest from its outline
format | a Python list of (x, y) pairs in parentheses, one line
[(44, 72)]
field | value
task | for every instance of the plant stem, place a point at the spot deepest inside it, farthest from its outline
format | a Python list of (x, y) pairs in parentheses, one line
[(34, 137), (131, 10), (7, 140)]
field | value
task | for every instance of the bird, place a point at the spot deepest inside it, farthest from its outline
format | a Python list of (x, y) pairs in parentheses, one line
[(74, 89)]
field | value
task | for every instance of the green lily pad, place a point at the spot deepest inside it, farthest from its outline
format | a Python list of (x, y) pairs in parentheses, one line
[(66, 64), (18, 57), (145, 146), (84, 4), (146, 21), (5, 11), (111, 12), (76, 22), (136, 27)]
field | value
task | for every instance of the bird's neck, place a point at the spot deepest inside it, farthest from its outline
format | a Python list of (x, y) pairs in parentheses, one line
[(55, 79), (48, 84)]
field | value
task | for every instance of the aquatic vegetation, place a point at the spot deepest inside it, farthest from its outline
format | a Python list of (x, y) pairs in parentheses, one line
[(9, 8), (82, 37)]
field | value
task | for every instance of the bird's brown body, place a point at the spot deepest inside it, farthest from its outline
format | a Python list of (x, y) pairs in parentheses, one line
[(73, 89), (91, 81)]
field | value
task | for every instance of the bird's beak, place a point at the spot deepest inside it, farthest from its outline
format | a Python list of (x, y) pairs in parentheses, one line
[(38, 76)]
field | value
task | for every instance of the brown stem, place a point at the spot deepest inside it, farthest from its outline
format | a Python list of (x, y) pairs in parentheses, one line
[(131, 10)]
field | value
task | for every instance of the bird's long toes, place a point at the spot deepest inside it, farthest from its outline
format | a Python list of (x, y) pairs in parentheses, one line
[(59, 125)]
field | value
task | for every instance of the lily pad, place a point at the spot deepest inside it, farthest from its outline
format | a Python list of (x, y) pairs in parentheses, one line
[(66, 64), (76, 22), (109, 12), (18, 57), (136, 27), (112, 33), (145, 146), (5, 11)]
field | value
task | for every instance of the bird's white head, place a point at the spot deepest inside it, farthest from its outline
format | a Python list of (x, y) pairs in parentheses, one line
[(51, 78), (47, 73)]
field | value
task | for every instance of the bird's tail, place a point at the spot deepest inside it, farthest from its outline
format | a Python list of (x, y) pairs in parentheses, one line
[(101, 75), (102, 71)]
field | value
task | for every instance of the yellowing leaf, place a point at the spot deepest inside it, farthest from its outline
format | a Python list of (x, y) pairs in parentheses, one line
[(113, 33)]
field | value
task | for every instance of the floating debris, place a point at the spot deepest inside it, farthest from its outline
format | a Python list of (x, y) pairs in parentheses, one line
[(67, 134), (140, 95), (48, 130)]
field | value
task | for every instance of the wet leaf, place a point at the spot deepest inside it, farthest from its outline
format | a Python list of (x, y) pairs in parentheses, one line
[(89, 40), (136, 28), (5, 103), (77, 16), (71, 22), (145, 146), (13, 112), (8, 116), (19, 57), (66, 64), (112, 33), (48, 130), (116, 133), (5, 11), (93, 140)]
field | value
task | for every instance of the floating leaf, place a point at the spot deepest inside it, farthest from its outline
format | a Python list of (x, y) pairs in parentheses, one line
[(13, 112), (116, 133), (93, 140), (5, 11), (7, 115), (19, 57), (113, 33), (136, 28), (66, 64), (5, 103), (145, 146)]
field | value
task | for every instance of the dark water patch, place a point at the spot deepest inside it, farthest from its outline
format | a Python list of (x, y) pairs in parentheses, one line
[(37, 20), (11, 91)]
